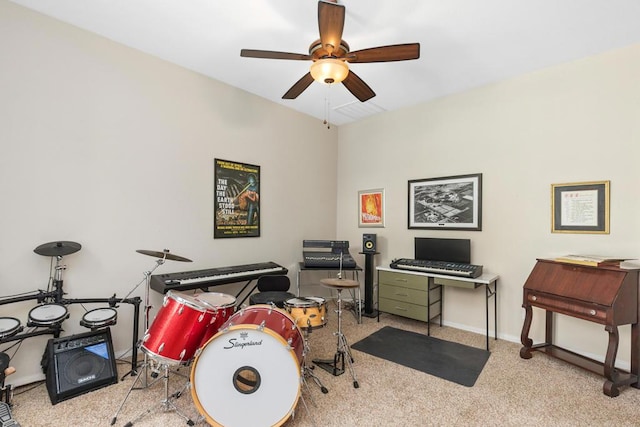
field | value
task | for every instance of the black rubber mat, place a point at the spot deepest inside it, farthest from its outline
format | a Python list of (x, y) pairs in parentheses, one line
[(451, 361)]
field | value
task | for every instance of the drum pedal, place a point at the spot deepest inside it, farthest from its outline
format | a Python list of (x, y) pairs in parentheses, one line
[(331, 366), (6, 420)]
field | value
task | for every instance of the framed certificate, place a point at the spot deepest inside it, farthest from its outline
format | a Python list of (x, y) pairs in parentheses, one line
[(581, 207)]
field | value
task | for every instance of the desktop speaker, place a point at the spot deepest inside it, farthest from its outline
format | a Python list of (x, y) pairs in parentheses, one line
[(369, 243), (78, 364)]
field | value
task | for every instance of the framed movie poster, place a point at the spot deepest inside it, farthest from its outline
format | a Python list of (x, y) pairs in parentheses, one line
[(371, 208), (236, 200), (448, 203)]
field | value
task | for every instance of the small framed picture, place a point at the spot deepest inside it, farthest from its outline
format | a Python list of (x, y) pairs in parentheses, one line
[(580, 207), (371, 208), (447, 203)]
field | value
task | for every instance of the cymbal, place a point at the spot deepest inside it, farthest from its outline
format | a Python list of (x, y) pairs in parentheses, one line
[(57, 248), (163, 254), (340, 283)]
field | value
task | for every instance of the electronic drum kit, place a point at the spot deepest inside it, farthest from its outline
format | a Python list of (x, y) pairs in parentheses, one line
[(51, 310)]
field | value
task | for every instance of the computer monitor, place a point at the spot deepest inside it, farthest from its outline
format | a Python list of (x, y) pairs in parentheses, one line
[(452, 250)]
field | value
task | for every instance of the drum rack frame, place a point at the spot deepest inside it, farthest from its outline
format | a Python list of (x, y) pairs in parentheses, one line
[(56, 296)]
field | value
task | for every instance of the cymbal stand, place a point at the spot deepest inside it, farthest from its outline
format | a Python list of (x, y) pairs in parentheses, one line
[(147, 308), (166, 404), (342, 350), (57, 281)]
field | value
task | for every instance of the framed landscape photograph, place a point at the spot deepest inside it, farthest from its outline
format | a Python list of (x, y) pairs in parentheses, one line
[(236, 199), (371, 208), (447, 203), (580, 207)]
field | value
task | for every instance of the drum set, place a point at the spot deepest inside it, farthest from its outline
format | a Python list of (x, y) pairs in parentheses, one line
[(250, 358)]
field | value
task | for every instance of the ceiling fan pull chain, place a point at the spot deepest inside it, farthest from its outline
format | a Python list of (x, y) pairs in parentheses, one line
[(327, 119)]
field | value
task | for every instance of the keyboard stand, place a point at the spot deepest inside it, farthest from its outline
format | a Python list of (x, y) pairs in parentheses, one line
[(239, 304)]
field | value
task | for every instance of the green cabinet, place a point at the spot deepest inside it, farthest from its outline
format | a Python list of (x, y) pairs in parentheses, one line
[(408, 295)]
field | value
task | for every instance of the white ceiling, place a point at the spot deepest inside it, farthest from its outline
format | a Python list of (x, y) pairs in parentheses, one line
[(463, 43)]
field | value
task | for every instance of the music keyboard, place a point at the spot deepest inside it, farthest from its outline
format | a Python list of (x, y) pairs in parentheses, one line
[(196, 279), (438, 267)]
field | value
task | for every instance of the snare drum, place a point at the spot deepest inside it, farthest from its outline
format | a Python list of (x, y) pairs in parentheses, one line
[(221, 306), (308, 312), (177, 330), (254, 362), (9, 326), (48, 315), (99, 318)]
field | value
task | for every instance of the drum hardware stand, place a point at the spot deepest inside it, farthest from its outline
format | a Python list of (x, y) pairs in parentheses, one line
[(304, 403), (113, 302), (342, 350), (147, 307), (166, 403), (162, 257), (307, 371)]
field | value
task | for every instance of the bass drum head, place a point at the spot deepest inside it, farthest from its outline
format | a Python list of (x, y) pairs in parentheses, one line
[(245, 376)]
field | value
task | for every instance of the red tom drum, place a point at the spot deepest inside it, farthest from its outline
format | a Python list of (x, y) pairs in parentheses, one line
[(221, 306), (177, 330)]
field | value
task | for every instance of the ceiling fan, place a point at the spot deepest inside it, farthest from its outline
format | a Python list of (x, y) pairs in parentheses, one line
[(330, 55)]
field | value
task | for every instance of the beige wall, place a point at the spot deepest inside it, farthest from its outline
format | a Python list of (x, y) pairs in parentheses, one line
[(114, 149), (572, 123)]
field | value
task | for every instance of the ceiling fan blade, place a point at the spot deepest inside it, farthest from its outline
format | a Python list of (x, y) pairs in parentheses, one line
[(330, 24), (397, 52), (358, 87), (298, 87), (268, 54)]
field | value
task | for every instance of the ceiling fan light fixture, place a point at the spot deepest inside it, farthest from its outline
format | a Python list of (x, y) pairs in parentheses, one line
[(329, 70)]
